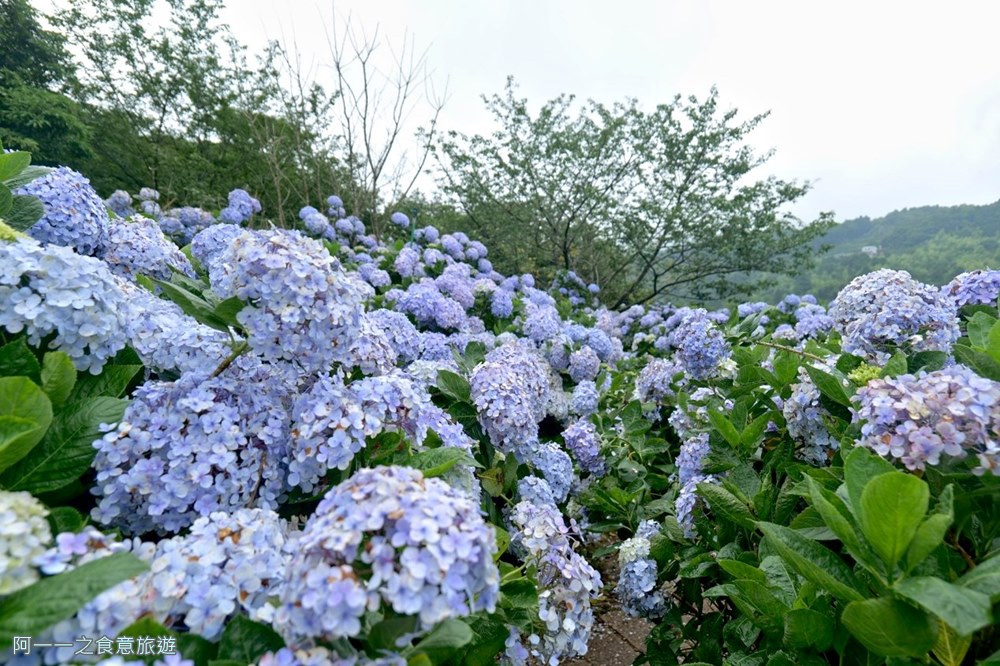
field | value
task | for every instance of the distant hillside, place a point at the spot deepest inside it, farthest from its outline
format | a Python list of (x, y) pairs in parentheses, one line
[(933, 243)]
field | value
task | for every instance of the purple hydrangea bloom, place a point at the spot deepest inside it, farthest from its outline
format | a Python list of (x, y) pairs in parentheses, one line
[(584, 364), (46, 290), (400, 220), (980, 287), (301, 305), (700, 345), (886, 309), (509, 389), (388, 535), (75, 216), (931, 417), (585, 446), (137, 246), (656, 379)]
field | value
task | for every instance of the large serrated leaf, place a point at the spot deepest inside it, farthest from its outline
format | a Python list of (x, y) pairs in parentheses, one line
[(890, 627), (67, 449), (58, 376), (726, 505), (13, 163), (247, 641), (25, 415), (34, 609), (813, 562), (892, 507), (965, 610), (24, 212)]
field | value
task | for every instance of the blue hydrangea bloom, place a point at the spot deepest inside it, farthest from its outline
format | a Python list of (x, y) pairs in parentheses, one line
[(46, 290), (980, 287), (75, 216), (700, 345), (137, 246)]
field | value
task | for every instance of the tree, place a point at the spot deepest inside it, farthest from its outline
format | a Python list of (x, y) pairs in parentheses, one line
[(650, 205), (35, 115)]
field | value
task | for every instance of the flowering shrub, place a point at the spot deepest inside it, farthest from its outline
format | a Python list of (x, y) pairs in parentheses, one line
[(313, 446)]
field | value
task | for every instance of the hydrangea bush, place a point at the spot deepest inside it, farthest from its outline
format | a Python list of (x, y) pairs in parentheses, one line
[(315, 446)]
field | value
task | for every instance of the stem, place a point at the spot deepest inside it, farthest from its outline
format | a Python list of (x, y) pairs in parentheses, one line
[(961, 551), (793, 350), (242, 347)]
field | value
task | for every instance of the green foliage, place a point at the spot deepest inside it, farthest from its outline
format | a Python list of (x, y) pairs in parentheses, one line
[(624, 197)]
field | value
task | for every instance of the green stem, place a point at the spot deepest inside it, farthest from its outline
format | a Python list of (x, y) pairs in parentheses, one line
[(237, 352), (793, 350)]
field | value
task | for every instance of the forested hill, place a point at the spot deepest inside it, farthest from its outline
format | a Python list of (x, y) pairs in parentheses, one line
[(933, 243)]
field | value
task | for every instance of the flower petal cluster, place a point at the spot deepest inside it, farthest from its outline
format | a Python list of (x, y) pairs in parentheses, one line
[(137, 246), (655, 381), (53, 291), (75, 215), (24, 536), (192, 447), (804, 417), (388, 535), (980, 287), (700, 345), (881, 311), (509, 389), (567, 583), (302, 307), (931, 417), (637, 587), (585, 446)]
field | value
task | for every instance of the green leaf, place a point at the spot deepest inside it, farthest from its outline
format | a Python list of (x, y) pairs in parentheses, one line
[(726, 505), (65, 519), (738, 569), (226, 311), (950, 648), (13, 163), (444, 640), (993, 342), (978, 329), (762, 599), (724, 427), (860, 467), (963, 609), (926, 360), (813, 561), (931, 532), (67, 449), (892, 507), (435, 462), (829, 386), (897, 365), (383, 635), (27, 175), (6, 200), (190, 646), (503, 541), (34, 609), (17, 360), (246, 641), (24, 212), (980, 361), (113, 382), (519, 593), (805, 627), (58, 376), (786, 366), (984, 578), (751, 434), (490, 635), (837, 517), (890, 627), (25, 415), (454, 386)]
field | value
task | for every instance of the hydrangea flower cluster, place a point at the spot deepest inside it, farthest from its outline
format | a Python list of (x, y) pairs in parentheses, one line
[(388, 535), (75, 215), (225, 563), (509, 389), (567, 583), (584, 364), (51, 290), (700, 345), (167, 339), (188, 448), (637, 586), (24, 536), (655, 381), (208, 245), (812, 320), (804, 417), (980, 287), (428, 306), (137, 246), (120, 203), (585, 446), (925, 419), (241, 208), (880, 311), (302, 307), (400, 220), (183, 224)]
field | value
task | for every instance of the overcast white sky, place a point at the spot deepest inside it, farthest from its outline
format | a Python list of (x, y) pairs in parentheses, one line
[(884, 105)]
